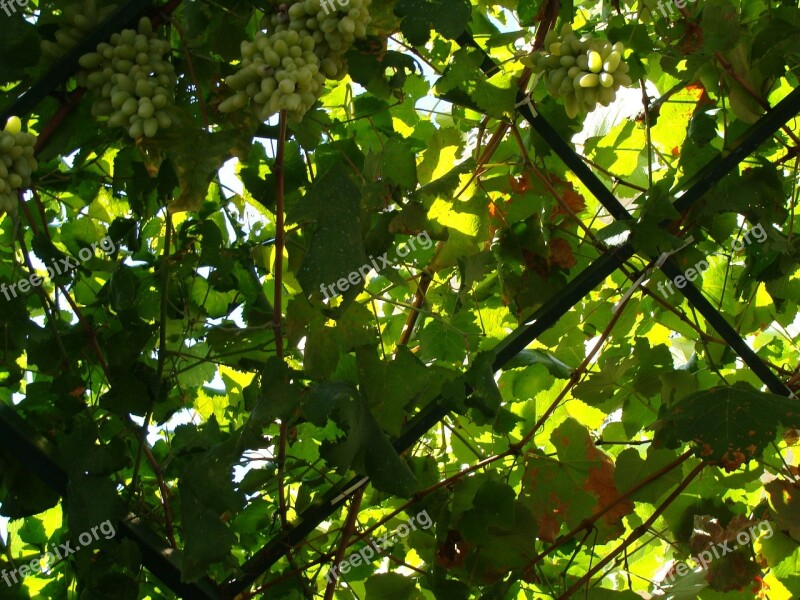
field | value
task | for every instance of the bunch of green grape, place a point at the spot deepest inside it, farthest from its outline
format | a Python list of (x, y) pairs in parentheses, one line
[(285, 68), (334, 27), (585, 72), (135, 81), (16, 163), (278, 72), (79, 18)]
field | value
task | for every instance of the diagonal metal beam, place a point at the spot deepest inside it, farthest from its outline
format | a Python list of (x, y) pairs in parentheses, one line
[(789, 107)]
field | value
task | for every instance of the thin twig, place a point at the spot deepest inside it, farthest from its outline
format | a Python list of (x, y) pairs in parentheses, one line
[(349, 528)]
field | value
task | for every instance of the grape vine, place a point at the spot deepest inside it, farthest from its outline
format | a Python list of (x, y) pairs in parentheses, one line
[(227, 324)]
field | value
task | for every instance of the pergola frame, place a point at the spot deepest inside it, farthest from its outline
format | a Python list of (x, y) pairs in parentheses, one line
[(19, 439)]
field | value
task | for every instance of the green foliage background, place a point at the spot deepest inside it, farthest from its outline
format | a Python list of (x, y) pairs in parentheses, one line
[(619, 440)]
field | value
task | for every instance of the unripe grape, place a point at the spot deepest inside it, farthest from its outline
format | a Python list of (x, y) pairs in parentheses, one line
[(567, 61), (145, 26), (280, 48), (297, 11), (14, 181), (584, 72), (164, 120), (150, 127), (291, 102), (622, 79), (136, 130), (595, 62), (160, 101), (571, 105), (143, 88), (146, 110), (119, 98), (13, 125), (128, 37), (92, 60), (606, 96), (612, 62), (118, 119), (347, 26), (286, 86), (228, 105), (308, 99)]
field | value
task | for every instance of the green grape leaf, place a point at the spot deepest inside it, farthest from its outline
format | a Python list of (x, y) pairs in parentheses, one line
[(336, 247), (447, 17), (366, 449), (574, 486), (727, 426)]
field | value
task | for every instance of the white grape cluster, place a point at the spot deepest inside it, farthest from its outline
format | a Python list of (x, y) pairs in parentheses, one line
[(135, 80), (285, 68), (16, 163), (585, 72), (334, 26), (79, 18), (278, 72)]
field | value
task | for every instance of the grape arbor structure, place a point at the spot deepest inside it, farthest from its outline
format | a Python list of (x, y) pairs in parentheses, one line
[(185, 575)]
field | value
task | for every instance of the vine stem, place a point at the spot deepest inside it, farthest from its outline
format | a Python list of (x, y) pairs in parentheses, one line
[(636, 533), (349, 528), (71, 102), (162, 361), (277, 314)]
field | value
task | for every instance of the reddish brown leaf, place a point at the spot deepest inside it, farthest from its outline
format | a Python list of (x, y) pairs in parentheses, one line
[(561, 254)]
